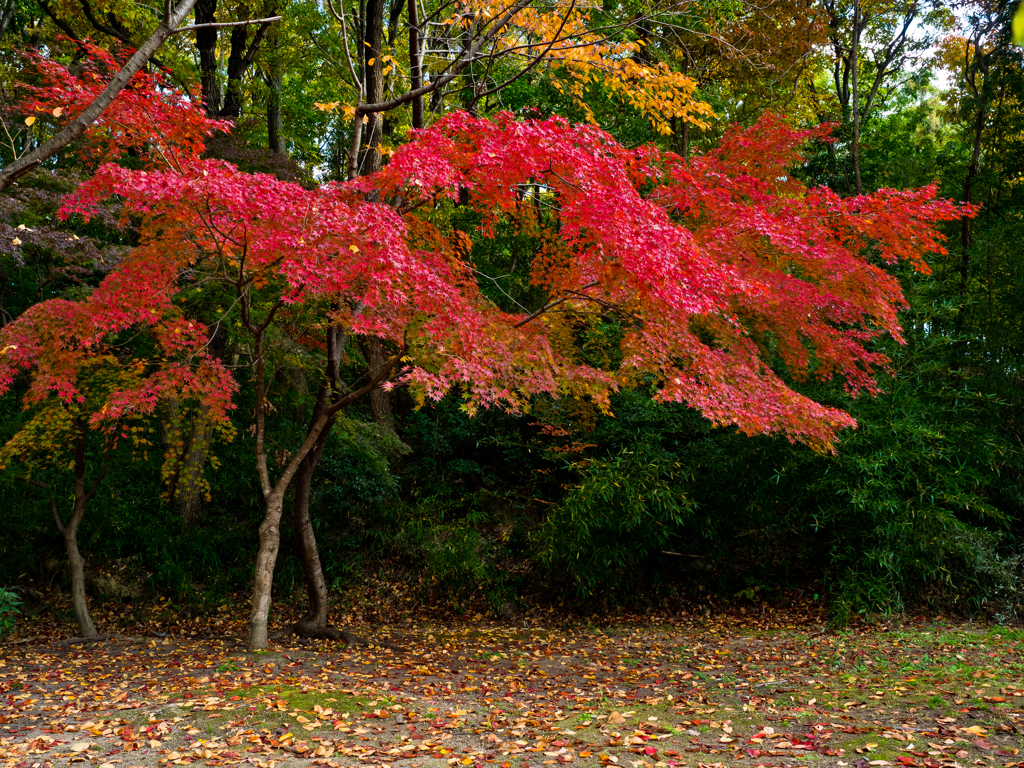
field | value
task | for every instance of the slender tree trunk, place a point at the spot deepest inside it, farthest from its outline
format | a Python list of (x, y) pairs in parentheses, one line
[(77, 563), (275, 125), (854, 95), (69, 532), (312, 568), (7, 8), (314, 622), (415, 63), (966, 230), (373, 31)]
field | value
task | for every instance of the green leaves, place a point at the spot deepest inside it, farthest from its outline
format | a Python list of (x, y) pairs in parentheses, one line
[(9, 603)]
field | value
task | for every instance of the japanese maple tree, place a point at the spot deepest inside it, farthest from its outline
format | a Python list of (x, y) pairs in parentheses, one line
[(86, 393), (727, 274)]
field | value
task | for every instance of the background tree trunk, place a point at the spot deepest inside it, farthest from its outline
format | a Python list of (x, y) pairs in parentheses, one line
[(373, 67), (415, 63), (380, 399), (855, 96), (275, 81), (186, 445), (206, 46)]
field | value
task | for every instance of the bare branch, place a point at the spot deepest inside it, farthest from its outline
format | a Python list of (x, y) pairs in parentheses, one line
[(537, 59), (246, 23), (467, 57), (552, 305)]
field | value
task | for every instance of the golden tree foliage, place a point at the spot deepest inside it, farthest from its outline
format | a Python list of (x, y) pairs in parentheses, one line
[(577, 57)]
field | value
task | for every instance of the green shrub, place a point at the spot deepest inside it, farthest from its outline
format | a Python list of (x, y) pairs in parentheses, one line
[(9, 603)]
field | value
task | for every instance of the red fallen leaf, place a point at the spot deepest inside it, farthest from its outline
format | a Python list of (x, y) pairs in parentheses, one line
[(669, 753), (996, 699), (982, 744), (651, 751)]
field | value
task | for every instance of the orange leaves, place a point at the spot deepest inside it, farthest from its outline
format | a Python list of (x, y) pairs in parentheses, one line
[(578, 58)]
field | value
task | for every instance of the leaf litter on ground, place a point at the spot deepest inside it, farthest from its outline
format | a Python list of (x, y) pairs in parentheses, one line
[(688, 692)]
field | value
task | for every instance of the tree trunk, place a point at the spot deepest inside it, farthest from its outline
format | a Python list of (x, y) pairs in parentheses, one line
[(232, 106), (206, 46), (373, 67), (263, 580), (7, 8), (380, 399), (69, 532), (415, 63), (312, 568), (275, 125), (314, 622), (186, 446), (966, 230), (854, 95), (86, 627)]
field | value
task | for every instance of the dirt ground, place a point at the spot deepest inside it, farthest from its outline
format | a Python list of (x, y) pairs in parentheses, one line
[(698, 693)]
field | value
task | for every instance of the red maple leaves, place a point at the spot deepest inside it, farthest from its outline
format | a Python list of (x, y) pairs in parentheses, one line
[(719, 270), (148, 119)]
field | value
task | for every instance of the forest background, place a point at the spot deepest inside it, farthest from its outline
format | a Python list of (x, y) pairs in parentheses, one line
[(564, 503)]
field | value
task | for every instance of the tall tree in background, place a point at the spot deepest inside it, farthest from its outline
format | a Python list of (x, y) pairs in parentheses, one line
[(871, 49)]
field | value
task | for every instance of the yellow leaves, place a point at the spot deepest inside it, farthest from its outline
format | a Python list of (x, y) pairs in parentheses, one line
[(1018, 26), (58, 111), (29, 121), (580, 58), (326, 106)]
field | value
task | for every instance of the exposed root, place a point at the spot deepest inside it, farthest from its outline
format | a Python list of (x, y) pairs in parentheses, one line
[(84, 640), (313, 631)]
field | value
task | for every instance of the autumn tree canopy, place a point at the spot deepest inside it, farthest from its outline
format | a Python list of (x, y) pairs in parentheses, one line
[(328, 217)]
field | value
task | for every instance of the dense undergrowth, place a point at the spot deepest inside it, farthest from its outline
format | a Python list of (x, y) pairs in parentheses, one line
[(919, 508)]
